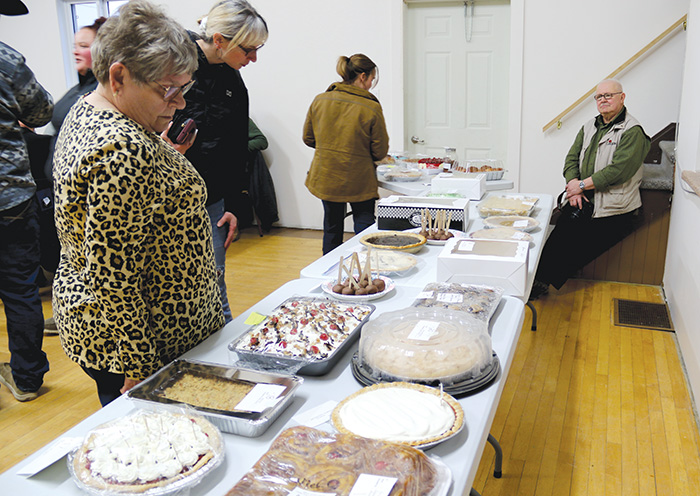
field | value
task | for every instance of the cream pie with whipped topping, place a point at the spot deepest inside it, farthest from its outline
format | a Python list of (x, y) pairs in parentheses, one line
[(144, 451), (399, 412)]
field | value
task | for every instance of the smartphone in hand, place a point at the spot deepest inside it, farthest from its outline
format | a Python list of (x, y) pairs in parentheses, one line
[(181, 130)]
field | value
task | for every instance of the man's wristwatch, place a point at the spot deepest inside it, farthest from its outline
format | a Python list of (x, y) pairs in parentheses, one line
[(582, 185)]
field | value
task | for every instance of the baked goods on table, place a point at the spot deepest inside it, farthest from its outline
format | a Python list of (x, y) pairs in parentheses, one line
[(361, 284), (207, 391), (525, 224), (507, 233), (304, 328), (311, 460), (478, 300), (400, 412), (403, 175), (507, 205), (388, 261), (435, 229), (394, 240), (146, 451), (425, 345)]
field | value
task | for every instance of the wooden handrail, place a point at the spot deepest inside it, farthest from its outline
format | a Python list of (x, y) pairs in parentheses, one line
[(630, 61)]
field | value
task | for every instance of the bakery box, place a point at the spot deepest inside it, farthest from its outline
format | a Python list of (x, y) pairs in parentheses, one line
[(398, 213), (472, 188), (485, 261)]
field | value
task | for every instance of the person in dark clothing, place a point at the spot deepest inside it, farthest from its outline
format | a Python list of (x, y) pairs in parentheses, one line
[(229, 38), (21, 98)]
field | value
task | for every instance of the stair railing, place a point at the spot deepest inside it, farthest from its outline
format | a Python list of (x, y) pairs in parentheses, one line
[(557, 120)]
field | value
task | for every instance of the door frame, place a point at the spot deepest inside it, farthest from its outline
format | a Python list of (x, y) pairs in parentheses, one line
[(515, 88)]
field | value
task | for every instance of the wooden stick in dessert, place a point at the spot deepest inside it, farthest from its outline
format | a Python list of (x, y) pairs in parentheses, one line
[(340, 269)]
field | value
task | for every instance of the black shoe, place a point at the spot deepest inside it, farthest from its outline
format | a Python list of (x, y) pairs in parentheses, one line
[(539, 288)]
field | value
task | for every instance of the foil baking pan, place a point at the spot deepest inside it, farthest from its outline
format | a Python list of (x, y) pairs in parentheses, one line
[(291, 364), (241, 422)]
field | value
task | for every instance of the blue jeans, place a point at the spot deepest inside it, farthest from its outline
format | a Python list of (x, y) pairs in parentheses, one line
[(218, 234), (19, 267), (334, 221)]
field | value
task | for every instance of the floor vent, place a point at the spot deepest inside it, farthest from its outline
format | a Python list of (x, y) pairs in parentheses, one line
[(630, 313)]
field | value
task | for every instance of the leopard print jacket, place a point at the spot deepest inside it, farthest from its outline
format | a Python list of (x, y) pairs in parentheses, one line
[(136, 283)]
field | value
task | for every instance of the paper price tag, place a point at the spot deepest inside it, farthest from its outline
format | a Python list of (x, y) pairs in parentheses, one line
[(297, 491), (424, 330), (424, 295), (450, 298), (262, 396), (372, 485), (466, 246), (520, 223), (49, 456), (316, 416), (254, 318), (519, 235)]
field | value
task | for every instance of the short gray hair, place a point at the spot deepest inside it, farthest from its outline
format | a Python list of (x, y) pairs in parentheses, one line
[(237, 21), (146, 40)]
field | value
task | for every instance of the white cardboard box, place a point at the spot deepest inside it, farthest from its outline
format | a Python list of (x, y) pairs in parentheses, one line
[(404, 212), (469, 187), (485, 261)]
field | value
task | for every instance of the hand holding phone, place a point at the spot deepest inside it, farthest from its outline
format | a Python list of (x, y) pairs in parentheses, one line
[(181, 129)]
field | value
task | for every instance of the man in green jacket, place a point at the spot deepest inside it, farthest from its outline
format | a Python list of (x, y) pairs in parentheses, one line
[(603, 173)]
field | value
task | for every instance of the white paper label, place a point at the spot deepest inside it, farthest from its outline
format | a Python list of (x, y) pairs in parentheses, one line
[(450, 298), (317, 415), (262, 396), (297, 491), (53, 453), (424, 330), (519, 235), (529, 202), (520, 223), (466, 245), (372, 485), (424, 295)]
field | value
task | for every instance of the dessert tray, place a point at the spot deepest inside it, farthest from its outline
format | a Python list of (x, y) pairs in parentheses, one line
[(389, 286), (306, 461), (478, 300), (394, 240), (521, 223), (388, 261), (154, 453), (400, 412), (429, 346), (236, 400), (507, 205), (367, 377), (503, 233), (399, 174), (303, 335)]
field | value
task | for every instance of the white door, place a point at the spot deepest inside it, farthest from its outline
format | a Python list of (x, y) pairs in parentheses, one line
[(456, 74)]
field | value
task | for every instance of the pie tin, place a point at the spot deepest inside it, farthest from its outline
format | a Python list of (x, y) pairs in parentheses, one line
[(300, 365), (242, 423), (364, 375)]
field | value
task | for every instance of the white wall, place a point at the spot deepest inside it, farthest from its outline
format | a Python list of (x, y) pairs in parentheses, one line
[(682, 273)]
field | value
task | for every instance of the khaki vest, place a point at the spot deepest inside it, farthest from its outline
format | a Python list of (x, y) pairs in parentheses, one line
[(621, 198)]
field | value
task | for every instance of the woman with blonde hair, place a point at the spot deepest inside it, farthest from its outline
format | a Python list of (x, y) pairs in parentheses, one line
[(135, 286), (229, 39), (345, 125)]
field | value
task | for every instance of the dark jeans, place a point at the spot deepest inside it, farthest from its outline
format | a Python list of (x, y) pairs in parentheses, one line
[(19, 268), (574, 243), (108, 384), (334, 221)]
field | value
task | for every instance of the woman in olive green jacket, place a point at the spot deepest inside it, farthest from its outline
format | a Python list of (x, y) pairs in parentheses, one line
[(345, 125)]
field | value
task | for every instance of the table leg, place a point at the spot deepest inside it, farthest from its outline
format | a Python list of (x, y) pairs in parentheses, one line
[(499, 456), (534, 315)]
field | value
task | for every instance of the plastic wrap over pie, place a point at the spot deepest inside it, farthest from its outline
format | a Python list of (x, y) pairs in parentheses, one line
[(475, 299), (507, 205), (425, 345), (305, 461)]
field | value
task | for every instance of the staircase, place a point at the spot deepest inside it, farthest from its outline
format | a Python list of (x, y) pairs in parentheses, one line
[(641, 256)]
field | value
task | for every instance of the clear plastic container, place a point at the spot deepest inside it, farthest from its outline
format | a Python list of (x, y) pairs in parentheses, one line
[(425, 345)]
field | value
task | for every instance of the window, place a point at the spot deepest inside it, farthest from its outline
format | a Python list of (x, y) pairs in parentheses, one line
[(75, 14)]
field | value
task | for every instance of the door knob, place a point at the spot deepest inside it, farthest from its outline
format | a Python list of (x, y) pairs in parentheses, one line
[(417, 141)]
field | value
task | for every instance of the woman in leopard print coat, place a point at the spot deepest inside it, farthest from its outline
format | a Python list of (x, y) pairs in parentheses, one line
[(136, 283)]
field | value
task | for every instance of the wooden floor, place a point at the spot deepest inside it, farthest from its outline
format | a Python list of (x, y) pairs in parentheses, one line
[(588, 408)]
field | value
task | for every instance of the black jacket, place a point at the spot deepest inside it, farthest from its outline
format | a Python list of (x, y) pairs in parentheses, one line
[(218, 103)]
